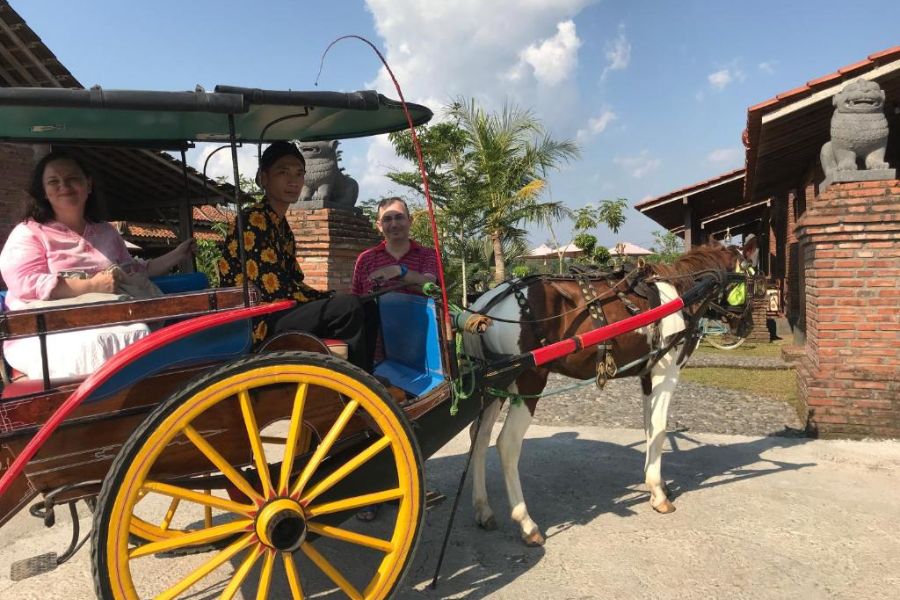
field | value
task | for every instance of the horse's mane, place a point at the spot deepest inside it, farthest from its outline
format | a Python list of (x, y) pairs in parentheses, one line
[(709, 256)]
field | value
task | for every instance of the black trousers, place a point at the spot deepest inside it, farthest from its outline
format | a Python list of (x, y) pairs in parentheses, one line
[(340, 317)]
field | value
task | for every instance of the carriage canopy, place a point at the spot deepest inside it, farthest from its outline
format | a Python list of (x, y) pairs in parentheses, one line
[(169, 119)]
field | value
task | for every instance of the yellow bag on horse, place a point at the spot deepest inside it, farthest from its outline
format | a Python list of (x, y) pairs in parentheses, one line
[(738, 294)]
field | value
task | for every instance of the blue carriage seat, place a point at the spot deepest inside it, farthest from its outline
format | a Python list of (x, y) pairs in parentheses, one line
[(412, 350)]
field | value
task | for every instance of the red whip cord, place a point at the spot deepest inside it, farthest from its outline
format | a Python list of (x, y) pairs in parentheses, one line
[(415, 139)]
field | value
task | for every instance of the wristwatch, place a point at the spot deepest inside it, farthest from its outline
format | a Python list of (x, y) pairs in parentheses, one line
[(403, 270)]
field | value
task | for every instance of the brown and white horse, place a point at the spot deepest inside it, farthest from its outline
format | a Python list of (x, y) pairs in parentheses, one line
[(525, 323)]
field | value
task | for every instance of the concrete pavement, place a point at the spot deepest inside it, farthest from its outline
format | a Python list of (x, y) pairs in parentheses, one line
[(758, 517)]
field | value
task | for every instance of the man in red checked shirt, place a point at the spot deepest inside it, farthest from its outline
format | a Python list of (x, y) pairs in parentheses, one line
[(397, 258)]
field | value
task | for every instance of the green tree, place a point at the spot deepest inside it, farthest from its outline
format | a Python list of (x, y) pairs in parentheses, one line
[(453, 187), (667, 247), (508, 155), (208, 254), (612, 213)]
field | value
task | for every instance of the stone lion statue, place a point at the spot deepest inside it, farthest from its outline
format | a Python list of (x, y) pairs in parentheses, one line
[(859, 129), (326, 185)]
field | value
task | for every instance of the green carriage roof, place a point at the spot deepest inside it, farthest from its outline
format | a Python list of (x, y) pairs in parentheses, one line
[(169, 119)]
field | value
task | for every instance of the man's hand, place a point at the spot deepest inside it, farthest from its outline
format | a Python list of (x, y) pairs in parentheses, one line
[(384, 273)]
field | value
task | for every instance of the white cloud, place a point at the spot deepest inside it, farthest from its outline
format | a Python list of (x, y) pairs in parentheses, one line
[(640, 165), (618, 53), (381, 159), (768, 67), (555, 58), (521, 51), (220, 165), (596, 125), (726, 156), (722, 78)]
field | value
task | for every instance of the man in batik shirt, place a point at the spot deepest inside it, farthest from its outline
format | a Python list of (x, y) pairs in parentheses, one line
[(271, 263)]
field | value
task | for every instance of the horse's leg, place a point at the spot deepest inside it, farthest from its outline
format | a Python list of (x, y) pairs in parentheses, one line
[(509, 446), (484, 516), (662, 381)]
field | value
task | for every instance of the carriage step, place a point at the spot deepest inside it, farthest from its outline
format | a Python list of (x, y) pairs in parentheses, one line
[(36, 565)]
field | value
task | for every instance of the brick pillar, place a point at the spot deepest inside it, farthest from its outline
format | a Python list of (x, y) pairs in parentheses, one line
[(760, 333), (328, 242), (849, 375)]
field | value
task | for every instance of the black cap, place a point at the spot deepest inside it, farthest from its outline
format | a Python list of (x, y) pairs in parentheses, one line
[(275, 151)]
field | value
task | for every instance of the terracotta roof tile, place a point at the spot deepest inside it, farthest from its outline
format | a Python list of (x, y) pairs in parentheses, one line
[(890, 52), (794, 92), (690, 188), (824, 79)]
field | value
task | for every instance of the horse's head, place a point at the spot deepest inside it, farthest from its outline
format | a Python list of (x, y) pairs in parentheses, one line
[(724, 261)]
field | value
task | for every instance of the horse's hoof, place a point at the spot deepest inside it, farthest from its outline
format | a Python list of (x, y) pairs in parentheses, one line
[(533, 540), (665, 507), (489, 524)]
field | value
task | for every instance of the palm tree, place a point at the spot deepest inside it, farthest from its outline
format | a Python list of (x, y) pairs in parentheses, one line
[(509, 153)]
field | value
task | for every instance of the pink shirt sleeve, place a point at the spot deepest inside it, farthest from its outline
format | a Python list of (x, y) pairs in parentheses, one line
[(24, 265)]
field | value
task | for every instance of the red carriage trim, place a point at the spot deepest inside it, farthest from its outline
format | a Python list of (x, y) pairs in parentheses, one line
[(152, 342), (699, 292), (596, 336)]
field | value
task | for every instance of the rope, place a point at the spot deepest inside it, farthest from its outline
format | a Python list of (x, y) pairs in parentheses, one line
[(458, 388), (517, 399)]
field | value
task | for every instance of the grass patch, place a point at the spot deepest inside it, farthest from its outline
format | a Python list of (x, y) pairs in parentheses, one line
[(765, 350), (781, 384)]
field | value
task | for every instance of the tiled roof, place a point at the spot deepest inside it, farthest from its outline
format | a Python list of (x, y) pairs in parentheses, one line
[(25, 61), (142, 232), (688, 189), (212, 214)]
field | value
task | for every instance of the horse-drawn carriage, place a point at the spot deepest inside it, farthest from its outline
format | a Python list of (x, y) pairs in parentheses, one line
[(227, 459)]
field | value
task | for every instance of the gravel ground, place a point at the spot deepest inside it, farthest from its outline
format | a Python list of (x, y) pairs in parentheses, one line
[(695, 407)]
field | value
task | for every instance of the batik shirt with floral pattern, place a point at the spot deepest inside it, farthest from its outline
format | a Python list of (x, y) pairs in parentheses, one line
[(270, 251)]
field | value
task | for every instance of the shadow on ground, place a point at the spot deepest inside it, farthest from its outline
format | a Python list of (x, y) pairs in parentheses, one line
[(568, 482)]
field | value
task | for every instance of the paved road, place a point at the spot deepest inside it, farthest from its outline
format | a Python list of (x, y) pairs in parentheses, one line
[(758, 517)]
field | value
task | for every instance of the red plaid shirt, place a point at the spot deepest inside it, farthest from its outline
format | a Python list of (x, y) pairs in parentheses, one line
[(418, 258)]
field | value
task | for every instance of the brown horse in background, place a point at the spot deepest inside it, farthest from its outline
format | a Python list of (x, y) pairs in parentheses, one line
[(546, 309)]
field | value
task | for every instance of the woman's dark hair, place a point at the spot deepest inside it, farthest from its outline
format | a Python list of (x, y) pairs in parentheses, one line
[(38, 207)]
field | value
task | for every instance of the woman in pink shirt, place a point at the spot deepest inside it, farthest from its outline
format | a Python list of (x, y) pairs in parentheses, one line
[(61, 232)]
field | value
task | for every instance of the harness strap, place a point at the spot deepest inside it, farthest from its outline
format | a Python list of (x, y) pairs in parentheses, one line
[(606, 363), (525, 309)]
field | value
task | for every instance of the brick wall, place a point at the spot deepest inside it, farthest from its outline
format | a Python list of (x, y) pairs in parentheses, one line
[(328, 242), (849, 376), (760, 333), (16, 163)]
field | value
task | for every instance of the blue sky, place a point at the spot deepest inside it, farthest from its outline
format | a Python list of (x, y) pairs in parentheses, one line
[(655, 92)]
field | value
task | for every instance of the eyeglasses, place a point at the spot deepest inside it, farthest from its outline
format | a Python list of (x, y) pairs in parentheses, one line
[(392, 219)]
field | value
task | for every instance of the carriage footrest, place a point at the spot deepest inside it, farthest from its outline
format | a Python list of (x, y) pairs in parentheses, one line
[(36, 565)]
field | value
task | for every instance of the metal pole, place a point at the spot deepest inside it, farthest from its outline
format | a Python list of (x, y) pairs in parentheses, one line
[(186, 226), (239, 223)]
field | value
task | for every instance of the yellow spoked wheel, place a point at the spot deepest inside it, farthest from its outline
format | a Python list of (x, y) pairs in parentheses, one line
[(282, 519)]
